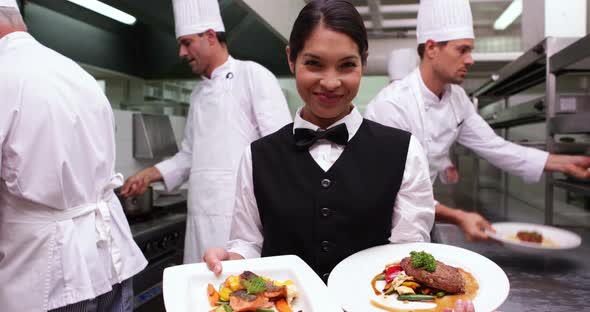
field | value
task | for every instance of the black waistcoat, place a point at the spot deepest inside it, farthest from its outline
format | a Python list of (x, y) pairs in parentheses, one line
[(323, 217)]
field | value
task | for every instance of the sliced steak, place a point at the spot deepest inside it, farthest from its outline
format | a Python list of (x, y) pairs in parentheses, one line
[(445, 277)]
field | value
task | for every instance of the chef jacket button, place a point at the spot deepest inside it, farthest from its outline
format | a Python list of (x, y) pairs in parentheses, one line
[(326, 212), (325, 276), (326, 183), (325, 246)]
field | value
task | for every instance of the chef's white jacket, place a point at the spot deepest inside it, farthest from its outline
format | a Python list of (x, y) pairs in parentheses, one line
[(437, 123), (413, 213), (241, 102), (63, 235)]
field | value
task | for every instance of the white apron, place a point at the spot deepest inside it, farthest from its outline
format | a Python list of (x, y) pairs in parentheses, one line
[(222, 131), (50, 256)]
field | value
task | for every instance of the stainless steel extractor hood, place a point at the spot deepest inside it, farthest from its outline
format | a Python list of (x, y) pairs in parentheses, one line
[(153, 137)]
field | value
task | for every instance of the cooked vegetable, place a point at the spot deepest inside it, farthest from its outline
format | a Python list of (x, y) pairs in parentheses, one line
[(415, 297), (265, 310), (411, 284), (391, 272), (404, 290), (213, 295), (389, 291), (441, 294), (227, 308), (224, 293), (233, 282), (282, 306), (380, 277), (423, 260), (255, 285)]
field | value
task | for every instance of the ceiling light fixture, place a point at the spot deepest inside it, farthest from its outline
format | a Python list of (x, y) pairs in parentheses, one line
[(512, 12), (106, 10)]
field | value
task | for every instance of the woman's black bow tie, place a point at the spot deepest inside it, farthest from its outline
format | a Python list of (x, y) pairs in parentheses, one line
[(304, 138)]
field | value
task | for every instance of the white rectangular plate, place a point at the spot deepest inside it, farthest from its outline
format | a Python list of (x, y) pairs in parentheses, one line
[(185, 286)]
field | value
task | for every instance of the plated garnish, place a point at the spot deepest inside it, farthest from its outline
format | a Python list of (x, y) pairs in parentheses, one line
[(250, 292), (531, 237), (420, 277)]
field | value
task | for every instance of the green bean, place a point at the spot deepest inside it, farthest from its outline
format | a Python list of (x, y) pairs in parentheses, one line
[(415, 297)]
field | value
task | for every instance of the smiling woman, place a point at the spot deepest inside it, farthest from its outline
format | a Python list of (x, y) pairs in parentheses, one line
[(331, 183)]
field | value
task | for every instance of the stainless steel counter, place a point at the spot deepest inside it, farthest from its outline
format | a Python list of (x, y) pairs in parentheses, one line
[(556, 282)]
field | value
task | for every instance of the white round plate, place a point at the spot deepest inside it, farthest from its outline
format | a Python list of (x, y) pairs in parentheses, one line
[(563, 238), (350, 281)]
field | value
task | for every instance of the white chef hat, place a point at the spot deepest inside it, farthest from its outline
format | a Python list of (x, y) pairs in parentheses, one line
[(444, 20), (196, 16), (9, 3), (401, 63)]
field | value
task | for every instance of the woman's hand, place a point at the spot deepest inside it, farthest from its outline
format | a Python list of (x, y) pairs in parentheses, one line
[(214, 256), (461, 306)]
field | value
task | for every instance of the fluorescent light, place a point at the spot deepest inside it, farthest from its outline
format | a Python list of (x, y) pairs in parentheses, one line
[(512, 12), (106, 10)]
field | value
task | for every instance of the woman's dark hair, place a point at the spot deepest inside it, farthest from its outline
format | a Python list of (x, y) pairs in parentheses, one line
[(338, 15)]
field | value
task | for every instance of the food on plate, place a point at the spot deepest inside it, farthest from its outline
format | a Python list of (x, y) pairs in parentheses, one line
[(532, 237), (250, 292), (420, 277)]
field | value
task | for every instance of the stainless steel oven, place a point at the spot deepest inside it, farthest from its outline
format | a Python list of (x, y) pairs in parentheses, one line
[(161, 239)]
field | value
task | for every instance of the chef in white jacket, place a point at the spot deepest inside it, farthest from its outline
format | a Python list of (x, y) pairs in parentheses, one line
[(402, 62), (64, 241), (236, 103), (430, 104)]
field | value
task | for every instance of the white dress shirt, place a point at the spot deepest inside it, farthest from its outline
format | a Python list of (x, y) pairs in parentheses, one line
[(413, 211), (63, 235), (437, 123)]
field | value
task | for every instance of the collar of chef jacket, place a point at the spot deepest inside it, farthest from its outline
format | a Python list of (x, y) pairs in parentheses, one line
[(224, 71)]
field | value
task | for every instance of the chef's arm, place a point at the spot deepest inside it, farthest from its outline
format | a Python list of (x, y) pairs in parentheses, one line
[(176, 170), (525, 162), (577, 166), (413, 212), (472, 224), (138, 183), (270, 107)]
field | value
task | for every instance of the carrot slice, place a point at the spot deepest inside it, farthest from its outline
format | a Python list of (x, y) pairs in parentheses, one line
[(213, 295), (283, 306)]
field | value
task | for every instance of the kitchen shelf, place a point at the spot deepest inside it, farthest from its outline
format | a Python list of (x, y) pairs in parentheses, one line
[(527, 71), (571, 148), (574, 58), (565, 114), (522, 114), (578, 187), (538, 145), (570, 123)]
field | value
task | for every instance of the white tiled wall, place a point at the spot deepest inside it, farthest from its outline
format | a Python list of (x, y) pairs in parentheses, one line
[(125, 163)]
